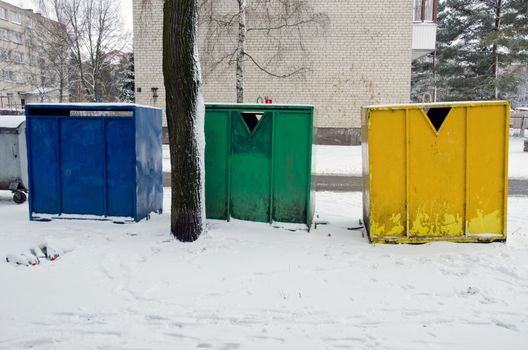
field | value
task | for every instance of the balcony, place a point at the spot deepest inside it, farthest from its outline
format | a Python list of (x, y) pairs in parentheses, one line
[(424, 27)]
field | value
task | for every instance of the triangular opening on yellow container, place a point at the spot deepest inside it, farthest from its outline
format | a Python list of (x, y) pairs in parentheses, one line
[(437, 116)]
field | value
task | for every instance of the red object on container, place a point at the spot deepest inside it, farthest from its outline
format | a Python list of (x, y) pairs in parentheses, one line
[(267, 100)]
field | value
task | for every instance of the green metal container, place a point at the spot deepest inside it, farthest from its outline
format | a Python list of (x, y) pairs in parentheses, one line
[(258, 162)]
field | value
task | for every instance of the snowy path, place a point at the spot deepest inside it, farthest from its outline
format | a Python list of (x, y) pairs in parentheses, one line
[(518, 161), (346, 160), (250, 286)]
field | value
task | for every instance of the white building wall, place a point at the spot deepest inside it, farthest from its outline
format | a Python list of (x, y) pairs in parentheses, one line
[(362, 57), (21, 47)]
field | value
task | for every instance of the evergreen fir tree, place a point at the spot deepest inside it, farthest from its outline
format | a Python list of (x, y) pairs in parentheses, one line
[(127, 91), (477, 43), (423, 79)]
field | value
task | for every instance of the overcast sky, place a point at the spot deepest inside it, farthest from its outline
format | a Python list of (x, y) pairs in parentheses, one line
[(125, 9)]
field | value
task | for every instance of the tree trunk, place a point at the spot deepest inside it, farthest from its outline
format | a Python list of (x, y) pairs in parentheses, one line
[(185, 117), (435, 89), (242, 31), (495, 54), (61, 83), (95, 87)]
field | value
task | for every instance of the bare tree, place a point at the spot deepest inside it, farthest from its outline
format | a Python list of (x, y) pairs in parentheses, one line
[(93, 30), (53, 56), (280, 26), (185, 117)]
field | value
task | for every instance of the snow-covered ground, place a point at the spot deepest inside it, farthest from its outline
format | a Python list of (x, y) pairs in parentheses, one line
[(251, 286), (346, 160), (166, 159), (338, 160), (518, 160)]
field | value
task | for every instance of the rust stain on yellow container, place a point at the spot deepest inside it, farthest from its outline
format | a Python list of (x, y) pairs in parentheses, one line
[(435, 172)]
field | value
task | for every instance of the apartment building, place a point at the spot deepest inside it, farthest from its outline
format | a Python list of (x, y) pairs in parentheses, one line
[(24, 75), (361, 56)]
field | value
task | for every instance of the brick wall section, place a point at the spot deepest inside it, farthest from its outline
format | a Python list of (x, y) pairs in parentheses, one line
[(148, 26), (363, 57)]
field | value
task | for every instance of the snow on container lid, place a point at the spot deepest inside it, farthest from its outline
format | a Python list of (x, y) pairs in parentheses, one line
[(11, 121)]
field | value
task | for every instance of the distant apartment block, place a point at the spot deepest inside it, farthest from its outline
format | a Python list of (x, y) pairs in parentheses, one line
[(24, 76), (363, 56)]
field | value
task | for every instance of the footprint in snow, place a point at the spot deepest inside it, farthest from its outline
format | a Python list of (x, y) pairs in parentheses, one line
[(509, 326)]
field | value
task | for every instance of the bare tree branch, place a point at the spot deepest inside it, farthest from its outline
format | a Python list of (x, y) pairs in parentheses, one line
[(282, 76), (285, 25), (279, 26)]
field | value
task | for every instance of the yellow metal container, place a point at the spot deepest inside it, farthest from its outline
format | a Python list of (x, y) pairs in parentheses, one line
[(435, 172)]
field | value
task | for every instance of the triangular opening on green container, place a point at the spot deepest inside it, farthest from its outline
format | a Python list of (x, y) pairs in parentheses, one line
[(437, 116), (251, 119)]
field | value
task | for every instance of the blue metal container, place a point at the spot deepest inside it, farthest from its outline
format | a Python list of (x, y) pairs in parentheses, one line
[(94, 159)]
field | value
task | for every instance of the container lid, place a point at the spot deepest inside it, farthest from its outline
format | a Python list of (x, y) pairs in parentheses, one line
[(436, 104), (11, 121), (262, 106), (89, 105)]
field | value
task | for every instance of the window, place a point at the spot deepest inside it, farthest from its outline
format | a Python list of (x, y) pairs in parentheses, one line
[(16, 37), (7, 75), (4, 54), (17, 57), (32, 60), (20, 78), (15, 17), (29, 41), (3, 13), (30, 78), (428, 11), (29, 22), (425, 10), (417, 11), (4, 34)]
